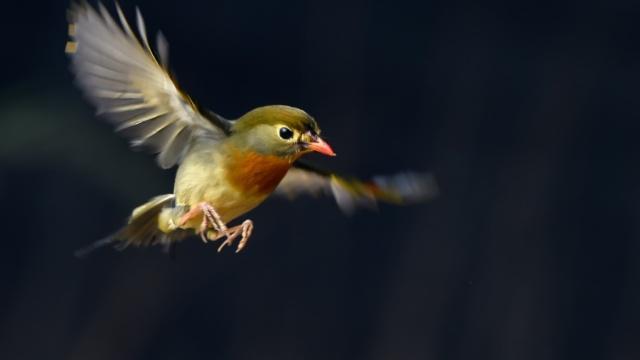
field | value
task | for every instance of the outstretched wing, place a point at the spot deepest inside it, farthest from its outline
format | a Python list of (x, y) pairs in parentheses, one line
[(120, 74), (401, 188)]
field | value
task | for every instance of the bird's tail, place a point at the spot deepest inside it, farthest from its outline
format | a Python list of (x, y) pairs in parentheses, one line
[(83, 252), (142, 228)]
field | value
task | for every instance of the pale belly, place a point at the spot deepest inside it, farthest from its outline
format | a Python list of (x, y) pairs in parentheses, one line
[(196, 184)]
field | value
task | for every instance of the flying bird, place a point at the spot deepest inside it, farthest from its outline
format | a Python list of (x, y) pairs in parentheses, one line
[(225, 167)]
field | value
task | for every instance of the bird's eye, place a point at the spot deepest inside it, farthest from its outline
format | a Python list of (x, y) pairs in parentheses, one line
[(285, 133)]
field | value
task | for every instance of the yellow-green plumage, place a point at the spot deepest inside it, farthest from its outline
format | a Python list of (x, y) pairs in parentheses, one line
[(226, 167), (236, 175)]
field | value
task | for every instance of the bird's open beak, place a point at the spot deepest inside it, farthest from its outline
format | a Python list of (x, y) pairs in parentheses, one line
[(318, 145)]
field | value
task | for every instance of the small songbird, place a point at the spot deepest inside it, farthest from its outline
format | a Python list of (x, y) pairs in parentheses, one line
[(226, 167)]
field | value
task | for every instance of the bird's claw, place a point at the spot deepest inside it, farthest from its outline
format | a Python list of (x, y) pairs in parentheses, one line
[(244, 230), (213, 228), (210, 219)]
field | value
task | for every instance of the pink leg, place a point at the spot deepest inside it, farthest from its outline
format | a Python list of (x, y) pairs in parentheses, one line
[(243, 230), (210, 219)]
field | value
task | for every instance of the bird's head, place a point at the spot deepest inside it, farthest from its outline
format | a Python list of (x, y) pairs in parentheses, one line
[(279, 130)]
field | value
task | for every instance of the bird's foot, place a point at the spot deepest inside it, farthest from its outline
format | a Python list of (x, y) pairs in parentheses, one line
[(243, 230), (210, 219)]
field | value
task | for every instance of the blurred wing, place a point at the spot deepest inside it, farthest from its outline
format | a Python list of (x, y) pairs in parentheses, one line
[(122, 77), (351, 193)]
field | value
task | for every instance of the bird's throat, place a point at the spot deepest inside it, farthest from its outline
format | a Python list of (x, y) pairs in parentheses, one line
[(255, 174)]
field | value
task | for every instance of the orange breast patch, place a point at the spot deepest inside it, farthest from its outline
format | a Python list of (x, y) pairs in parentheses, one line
[(254, 173)]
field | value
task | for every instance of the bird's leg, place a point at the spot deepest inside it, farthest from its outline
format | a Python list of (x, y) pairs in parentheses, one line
[(213, 218), (244, 230), (210, 218)]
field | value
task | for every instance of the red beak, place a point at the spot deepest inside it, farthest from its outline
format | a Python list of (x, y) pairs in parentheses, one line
[(319, 145)]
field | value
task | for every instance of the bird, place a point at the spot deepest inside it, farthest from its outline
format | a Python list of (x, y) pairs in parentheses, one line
[(225, 167)]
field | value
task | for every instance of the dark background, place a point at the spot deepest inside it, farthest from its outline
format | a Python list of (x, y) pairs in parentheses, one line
[(527, 113)]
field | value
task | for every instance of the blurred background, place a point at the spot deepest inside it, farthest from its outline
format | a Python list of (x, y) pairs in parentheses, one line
[(526, 113)]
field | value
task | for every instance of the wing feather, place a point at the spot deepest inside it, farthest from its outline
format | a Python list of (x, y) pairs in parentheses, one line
[(175, 147), (350, 194), (119, 73), (163, 49)]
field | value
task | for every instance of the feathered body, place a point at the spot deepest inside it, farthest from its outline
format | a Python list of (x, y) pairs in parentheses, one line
[(238, 174), (226, 167)]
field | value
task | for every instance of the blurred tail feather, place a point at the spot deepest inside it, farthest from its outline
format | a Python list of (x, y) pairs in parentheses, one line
[(141, 230), (83, 252)]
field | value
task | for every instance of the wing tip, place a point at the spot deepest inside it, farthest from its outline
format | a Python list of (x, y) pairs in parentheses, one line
[(407, 187), (71, 47)]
